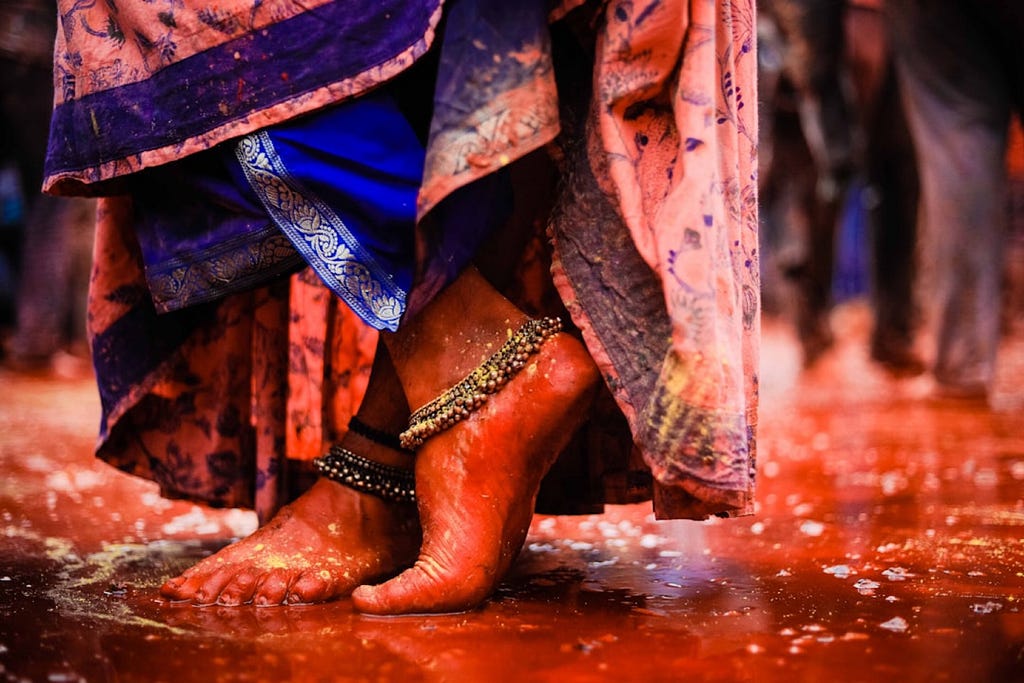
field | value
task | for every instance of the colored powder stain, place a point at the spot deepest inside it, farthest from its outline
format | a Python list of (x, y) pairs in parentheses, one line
[(274, 561)]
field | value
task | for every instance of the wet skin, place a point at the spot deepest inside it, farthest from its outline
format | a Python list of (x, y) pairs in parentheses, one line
[(328, 541), (476, 486), (477, 483), (320, 547)]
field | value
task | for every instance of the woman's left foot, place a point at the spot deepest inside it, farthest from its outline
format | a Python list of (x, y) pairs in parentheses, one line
[(477, 482)]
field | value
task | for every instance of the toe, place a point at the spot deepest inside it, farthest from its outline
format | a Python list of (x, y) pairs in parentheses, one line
[(271, 588), (183, 588), (315, 585), (240, 589), (210, 589), (372, 599), (189, 582), (422, 589), (172, 589)]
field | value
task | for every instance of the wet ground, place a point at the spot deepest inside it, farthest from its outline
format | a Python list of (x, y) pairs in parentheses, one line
[(887, 547)]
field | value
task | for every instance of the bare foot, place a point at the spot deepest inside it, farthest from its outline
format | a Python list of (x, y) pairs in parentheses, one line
[(477, 482), (330, 540)]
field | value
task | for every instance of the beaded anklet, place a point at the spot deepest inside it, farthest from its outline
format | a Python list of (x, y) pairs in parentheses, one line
[(384, 481), (378, 436), (457, 403)]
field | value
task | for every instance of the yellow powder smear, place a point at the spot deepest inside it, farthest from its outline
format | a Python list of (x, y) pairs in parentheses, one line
[(274, 561)]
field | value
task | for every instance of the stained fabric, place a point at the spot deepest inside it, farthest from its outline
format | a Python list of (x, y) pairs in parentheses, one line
[(656, 245), (140, 84), (202, 234), (224, 402), (646, 111)]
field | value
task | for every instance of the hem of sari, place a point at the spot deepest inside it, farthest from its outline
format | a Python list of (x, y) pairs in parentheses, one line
[(443, 186), (439, 184), (675, 493), (88, 180)]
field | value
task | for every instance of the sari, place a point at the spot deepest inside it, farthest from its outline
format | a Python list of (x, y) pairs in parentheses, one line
[(224, 383)]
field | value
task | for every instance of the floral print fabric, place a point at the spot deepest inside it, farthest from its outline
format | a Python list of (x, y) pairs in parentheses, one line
[(660, 269), (655, 258), (140, 83), (226, 402)]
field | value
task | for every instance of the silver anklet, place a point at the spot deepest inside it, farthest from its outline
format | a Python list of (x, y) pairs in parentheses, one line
[(457, 403), (356, 472)]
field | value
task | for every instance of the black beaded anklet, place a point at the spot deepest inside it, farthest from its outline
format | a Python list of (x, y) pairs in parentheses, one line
[(378, 436), (461, 400), (384, 481)]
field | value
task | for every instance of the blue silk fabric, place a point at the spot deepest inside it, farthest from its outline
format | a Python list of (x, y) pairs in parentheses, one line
[(342, 185), (335, 190)]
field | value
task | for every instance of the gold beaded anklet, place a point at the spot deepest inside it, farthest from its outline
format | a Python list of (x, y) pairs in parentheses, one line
[(457, 403), (384, 481)]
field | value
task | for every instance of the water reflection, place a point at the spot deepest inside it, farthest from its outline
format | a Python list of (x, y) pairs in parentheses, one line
[(887, 544)]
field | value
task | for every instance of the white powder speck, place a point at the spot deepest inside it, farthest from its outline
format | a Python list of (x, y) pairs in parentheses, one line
[(896, 624)]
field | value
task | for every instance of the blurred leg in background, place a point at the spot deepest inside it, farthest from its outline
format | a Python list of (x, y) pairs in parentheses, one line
[(810, 42), (48, 243), (889, 199), (960, 68)]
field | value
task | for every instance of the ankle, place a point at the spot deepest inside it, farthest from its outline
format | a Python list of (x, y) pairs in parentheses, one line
[(458, 355), (374, 450), (459, 330), (395, 484), (464, 397)]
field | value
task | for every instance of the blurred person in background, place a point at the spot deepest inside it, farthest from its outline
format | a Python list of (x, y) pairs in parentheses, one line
[(961, 68), (48, 240), (835, 144)]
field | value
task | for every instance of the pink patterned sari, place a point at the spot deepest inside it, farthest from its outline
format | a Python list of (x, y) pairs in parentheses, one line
[(644, 109)]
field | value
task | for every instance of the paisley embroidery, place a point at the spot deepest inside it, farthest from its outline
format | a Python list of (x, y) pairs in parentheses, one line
[(321, 236), (228, 267)]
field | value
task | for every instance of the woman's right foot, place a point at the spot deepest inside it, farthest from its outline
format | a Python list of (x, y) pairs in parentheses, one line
[(331, 539)]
